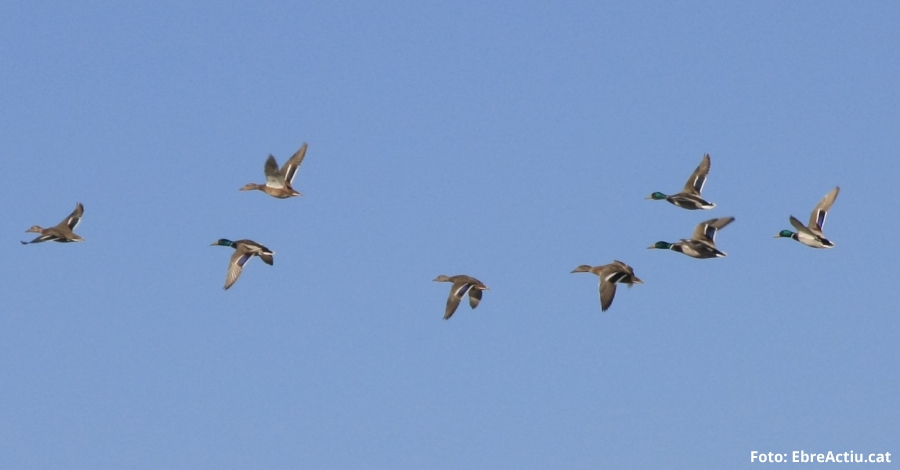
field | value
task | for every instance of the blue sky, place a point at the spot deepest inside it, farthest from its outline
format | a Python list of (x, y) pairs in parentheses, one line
[(508, 141)]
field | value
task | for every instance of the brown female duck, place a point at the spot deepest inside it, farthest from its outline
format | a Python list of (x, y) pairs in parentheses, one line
[(611, 274), (461, 284), (62, 232), (278, 182)]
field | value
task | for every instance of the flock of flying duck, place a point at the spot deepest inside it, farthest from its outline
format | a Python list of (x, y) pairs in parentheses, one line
[(701, 245)]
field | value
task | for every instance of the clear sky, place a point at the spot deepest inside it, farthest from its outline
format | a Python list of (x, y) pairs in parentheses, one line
[(508, 141)]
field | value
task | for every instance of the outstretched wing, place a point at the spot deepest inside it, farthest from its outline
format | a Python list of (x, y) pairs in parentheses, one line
[(42, 238), (695, 183), (74, 218), (817, 218), (607, 293), (274, 178), (706, 231), (289, 170), (457, 291), (236, 266)]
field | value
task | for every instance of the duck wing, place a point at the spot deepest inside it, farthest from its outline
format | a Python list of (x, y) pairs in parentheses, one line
[(706, 231), (607, 294), (474, 296), (73, 219), (457, 291), (289, 170), (236, 266), (695, 183), (817, 217), (42, 238), (274, 178)]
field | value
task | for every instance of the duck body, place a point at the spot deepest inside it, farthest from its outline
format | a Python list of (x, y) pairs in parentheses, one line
[(692, 248), (611, 274), (702, 244), (811, 234), (278, 181), (62, 232), (685, 201), (689, 198), (243, 251), (460, 285), (277, 192)]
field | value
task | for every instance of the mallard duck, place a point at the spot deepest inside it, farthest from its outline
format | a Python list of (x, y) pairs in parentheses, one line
[(811, 235), (62, 232), (611, 274), (243, 251), (461, 284), (702, 243), (278, 182), (689, 197)]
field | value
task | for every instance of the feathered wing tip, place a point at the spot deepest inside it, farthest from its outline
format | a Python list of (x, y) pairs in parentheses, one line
[(289, 170), (695, 183), (829, 199), (607, 294), (40, 239), (457, 291), (452, 304), (235, 267), (74, 218), (820, 212)]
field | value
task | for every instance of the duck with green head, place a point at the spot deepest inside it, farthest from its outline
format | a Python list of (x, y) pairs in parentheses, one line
[(243, 251), (811, 234), (702, 243), (461, 285), (611, 274), (689, 197)]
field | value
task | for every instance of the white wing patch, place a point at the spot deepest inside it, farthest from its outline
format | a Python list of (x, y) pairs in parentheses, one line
[(699, 182), (275, 182)]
